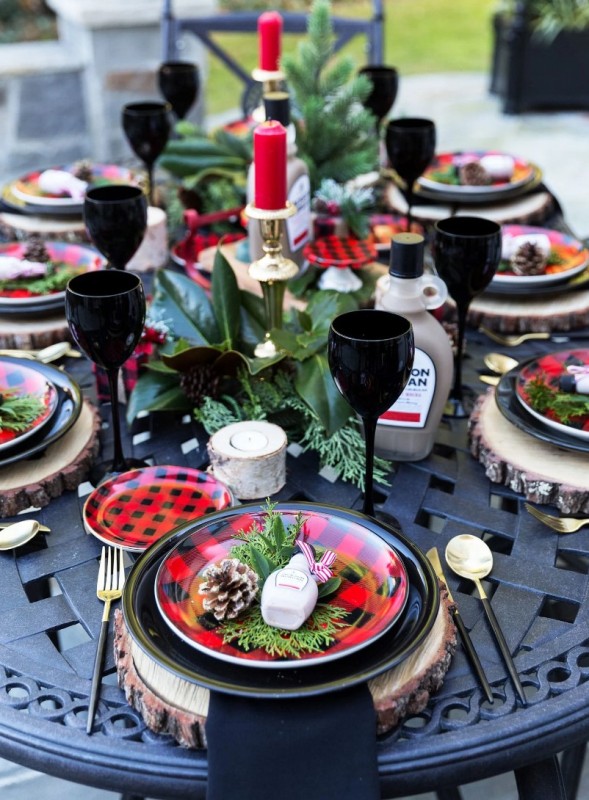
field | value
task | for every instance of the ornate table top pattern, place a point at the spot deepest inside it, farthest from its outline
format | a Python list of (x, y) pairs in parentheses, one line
[(538, 589)]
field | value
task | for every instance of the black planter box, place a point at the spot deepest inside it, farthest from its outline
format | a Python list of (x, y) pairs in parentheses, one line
[(529, 73)]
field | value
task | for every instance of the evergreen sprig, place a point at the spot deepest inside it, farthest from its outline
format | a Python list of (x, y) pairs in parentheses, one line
[(314, 635), (17, 412), (563, 407), (335, 132)]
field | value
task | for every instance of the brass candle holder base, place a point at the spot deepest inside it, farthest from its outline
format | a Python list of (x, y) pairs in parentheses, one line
[(272, 270)]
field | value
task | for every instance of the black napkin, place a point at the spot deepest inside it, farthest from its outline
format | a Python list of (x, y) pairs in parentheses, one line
[(308, 748)]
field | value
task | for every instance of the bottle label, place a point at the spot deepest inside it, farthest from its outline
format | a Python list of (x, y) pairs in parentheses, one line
[(412, 408), (292, 579), (298, 227)]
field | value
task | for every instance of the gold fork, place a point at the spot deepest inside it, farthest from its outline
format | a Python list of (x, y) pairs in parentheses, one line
[(560, 524), (514, 340), (109, 587)]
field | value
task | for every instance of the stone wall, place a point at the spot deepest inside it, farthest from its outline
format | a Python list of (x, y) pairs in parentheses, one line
[(61, 101)]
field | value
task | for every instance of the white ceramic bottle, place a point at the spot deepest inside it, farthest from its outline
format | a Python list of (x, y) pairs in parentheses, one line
[(289, 595), (296, 230), (406, 432)]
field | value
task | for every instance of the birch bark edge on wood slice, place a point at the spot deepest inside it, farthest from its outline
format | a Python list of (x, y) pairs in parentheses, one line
[(62, 467), (179, 708), (541, 472), (29, 333)]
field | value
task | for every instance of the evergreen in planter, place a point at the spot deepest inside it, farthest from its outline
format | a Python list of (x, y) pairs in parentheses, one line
[(541, 55)]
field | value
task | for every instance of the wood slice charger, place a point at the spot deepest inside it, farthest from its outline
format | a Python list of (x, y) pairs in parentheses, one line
[(182, 712), (63, 466), (541, 472)]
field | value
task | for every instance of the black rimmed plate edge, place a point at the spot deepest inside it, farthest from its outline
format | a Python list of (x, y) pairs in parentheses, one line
[(69, 407), (146, 626), (489, 196), (514, 412)]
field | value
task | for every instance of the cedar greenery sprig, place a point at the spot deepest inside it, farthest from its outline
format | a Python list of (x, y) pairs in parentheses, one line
[(55, 280), (17, 412), (563, 406), (313, 636)]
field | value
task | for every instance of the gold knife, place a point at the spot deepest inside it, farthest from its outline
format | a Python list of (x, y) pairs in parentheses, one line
[(434, 559)]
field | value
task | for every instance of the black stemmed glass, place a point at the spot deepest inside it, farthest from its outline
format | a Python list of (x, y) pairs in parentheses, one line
[(411, 145), (370, 356), (467, 252), (147, 128), (105, 311), (385, 85), (116, 220), (179, 83)]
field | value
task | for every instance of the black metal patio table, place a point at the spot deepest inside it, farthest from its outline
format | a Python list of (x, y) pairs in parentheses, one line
[(539, 590)]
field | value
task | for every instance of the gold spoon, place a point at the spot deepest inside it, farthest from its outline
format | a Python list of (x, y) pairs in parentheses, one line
[(42, 528), (18, 533), (500, 363), (471, 558)]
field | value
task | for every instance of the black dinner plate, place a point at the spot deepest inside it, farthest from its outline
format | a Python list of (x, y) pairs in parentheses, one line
[(154, 637), (69, 407), (15, 204), (514, 412), (580, 281)]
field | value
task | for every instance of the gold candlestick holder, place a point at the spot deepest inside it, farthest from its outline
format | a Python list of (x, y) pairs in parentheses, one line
[(272, 81), (272, 270)]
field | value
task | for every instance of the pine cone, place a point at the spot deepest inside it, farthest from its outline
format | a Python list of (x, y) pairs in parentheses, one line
[(230, 588), (83, 170), (528, 259), (473, 174), (199, 382), (36, 250)]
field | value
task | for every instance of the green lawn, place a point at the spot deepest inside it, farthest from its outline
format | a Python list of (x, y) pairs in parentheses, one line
[(420, 36)]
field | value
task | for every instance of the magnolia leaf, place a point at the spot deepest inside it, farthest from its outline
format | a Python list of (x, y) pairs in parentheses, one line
[(262, 565), (157, 391), (180, 299), (278, 531), (316, 387), (253, 319), (225, 298), (159, 366), (329, 587), (305, 320), (326, 305), (285, 340), (190, 356)]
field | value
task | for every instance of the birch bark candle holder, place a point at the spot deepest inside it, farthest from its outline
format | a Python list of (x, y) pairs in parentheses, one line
[(250, 458)]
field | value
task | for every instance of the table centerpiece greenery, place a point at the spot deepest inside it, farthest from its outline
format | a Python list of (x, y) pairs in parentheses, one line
[(206, 366)]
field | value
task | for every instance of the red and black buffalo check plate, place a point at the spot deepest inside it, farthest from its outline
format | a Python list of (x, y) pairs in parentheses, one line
[(373, 590), (136, 508), (18, 380)]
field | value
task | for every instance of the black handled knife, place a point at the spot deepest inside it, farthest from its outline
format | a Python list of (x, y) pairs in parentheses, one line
[(434, 560)]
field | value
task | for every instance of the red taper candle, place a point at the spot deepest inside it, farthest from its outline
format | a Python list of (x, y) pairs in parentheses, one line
[(269, 40), (270, 166)]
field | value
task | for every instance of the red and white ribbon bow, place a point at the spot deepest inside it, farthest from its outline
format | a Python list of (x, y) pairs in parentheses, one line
[(578, 369), (321, 569)]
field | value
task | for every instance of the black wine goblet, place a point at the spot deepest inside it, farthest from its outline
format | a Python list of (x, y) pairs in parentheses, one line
[(411, 145), (467, 252), (116, 220), (370, 356), (105, 312), (179, 83), (147, 128), (385, 85)]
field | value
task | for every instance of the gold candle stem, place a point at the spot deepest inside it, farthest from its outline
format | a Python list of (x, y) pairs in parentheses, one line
[(272, 270)]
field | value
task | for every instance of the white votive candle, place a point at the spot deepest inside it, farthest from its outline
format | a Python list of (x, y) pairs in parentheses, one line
[(249, 440)]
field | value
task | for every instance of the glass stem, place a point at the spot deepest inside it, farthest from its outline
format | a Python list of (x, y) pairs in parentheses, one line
[(150, 183), (369, 434), (119, 464), (457, 390), (409, 206)]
